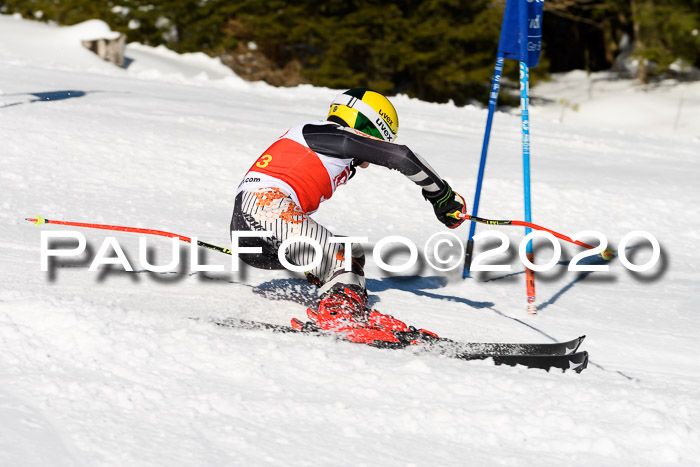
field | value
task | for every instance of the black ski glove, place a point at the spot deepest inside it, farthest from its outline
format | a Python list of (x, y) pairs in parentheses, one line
[(447, 205)]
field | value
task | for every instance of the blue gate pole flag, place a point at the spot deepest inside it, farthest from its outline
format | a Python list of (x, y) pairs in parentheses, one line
[(521, 39), (526, 16)]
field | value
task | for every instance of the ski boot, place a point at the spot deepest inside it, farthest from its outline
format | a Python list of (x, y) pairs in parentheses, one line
[(342, 310)]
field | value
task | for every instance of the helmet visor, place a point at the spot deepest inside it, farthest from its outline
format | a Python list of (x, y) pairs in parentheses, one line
[(368, 120), (364, 125)]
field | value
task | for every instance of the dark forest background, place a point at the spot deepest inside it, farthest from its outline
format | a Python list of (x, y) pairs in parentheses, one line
[(435, 50)]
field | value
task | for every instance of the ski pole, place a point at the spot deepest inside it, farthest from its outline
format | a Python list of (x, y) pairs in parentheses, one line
[(607, 254), (40, 220)]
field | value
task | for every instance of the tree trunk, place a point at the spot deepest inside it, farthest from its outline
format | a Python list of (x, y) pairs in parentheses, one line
[(642, 68)]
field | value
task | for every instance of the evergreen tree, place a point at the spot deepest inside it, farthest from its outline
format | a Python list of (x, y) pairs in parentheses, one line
[(436, 50), (665, 32)]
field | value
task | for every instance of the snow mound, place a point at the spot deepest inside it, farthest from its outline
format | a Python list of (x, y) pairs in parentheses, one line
[(162, 63), (61, 48), (90, 30), (49, 46), (602, 100)]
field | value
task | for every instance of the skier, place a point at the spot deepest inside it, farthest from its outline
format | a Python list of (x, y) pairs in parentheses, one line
[(303, 168)]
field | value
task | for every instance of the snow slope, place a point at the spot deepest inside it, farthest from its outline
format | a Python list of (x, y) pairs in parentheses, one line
[(601, 100), (106, 368)]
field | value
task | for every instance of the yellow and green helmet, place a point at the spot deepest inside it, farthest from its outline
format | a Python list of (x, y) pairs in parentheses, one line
[(366, 111)]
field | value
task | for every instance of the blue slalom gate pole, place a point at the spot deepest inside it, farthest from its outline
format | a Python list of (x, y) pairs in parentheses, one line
[(520, 39), (525, 125), (493, 99)]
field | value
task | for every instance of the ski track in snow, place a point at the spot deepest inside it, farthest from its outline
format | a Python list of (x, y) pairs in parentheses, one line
[(106, 368)]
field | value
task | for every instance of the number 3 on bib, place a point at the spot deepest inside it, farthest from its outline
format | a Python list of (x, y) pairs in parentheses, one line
[(264, 161)]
